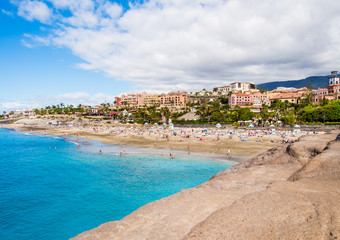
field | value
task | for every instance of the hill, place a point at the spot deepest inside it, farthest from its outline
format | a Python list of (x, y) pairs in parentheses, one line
[(317, 82)]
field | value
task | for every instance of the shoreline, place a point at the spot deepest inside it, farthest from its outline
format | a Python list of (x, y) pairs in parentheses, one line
[(211, 144), (260, 193), (286, 192), (131, 149)]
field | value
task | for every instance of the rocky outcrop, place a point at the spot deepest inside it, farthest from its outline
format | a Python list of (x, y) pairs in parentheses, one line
[(288, 192)]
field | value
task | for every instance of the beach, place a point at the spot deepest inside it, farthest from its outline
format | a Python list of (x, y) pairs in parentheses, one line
[(215, 141), (288, 192), (288, 189)]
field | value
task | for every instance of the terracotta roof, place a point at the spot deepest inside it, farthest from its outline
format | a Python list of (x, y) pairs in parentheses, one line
[(242, 95)]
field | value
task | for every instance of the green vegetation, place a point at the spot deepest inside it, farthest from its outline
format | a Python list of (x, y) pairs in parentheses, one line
[(210, 112)]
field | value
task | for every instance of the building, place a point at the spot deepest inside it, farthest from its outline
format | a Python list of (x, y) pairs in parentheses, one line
[(150, 99), (332, 92), (28, 113), (237, 87), (260, 98), (291, 95), (240, 99), (173, 99), (131, 100), (334, 85), (117, 101), (319, 95)]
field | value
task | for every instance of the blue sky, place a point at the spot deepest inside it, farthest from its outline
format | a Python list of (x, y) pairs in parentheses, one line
[(33, 75), (88, 51)]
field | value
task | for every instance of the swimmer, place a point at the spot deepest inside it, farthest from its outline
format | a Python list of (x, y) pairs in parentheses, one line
[(100, 151)]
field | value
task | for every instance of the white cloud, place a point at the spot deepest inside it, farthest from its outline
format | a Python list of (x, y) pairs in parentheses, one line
[(34, 10), (74, 98), (8, 13), (192, 44)]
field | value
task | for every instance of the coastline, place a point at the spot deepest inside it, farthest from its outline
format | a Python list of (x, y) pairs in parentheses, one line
[(286, 192), (259, 193), (250, 148), (140, 148)]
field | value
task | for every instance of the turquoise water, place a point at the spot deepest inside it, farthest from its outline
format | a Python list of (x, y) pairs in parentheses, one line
[(51, 190)]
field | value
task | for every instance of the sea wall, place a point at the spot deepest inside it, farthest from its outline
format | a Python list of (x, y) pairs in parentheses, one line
[(289, 192)]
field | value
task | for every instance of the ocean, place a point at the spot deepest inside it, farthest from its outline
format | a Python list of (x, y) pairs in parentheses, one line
[(50, 189)]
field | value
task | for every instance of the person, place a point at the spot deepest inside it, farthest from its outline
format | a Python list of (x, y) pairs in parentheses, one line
[(229, 153), (100, 151), (171, 155)]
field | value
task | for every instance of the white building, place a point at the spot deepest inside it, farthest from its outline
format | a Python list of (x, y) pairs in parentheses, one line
[(238, 87)]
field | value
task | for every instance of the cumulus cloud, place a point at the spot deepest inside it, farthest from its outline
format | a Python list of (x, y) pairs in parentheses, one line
[(74, 98), (195, 44), (34, 10)]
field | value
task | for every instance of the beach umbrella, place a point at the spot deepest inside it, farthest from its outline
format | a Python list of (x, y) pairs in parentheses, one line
[(218, 125), (272, 125), (205, 130), (164, 124), (156, 124), (251, 126), (297, 126), (146, 123)]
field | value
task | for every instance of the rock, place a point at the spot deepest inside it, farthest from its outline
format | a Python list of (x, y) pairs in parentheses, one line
[(289, 192)]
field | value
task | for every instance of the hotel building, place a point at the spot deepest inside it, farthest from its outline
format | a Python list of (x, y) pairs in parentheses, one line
[(238, 87), (171, 99)]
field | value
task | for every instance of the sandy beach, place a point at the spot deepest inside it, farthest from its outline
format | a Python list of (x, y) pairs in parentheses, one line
[(288, 192), (240, 142)]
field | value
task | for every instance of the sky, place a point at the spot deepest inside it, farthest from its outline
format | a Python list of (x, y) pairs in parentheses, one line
[(89, 51)]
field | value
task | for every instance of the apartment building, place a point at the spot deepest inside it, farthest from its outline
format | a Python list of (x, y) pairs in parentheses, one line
[(171, 99), (240, 99), (131, 99)]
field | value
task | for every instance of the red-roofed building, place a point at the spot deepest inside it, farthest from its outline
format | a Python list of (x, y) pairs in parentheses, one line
[(240, 99)]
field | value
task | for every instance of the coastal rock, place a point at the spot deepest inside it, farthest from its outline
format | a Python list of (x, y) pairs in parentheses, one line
[(289, 192)]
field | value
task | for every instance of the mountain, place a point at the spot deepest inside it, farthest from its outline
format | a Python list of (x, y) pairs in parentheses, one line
[(316, 81)]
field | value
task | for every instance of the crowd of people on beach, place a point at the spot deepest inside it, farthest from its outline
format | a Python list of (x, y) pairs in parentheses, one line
[(184, 134)]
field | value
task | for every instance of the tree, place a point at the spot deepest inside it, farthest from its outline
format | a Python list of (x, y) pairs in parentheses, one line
[(217, 116), (310, 86), (245, 114), (324, 101)]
